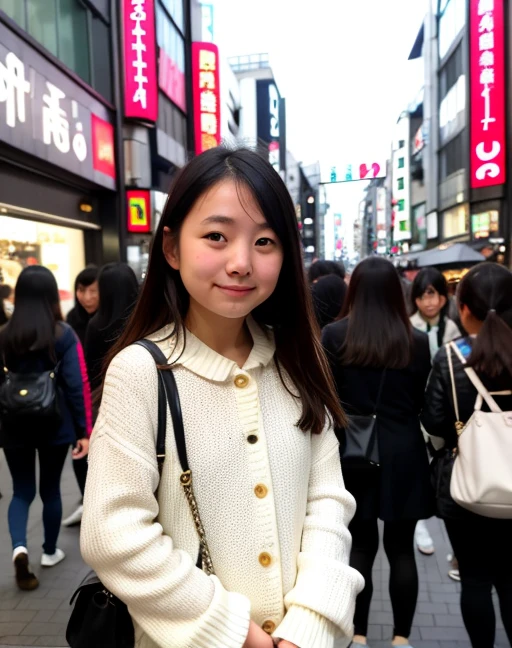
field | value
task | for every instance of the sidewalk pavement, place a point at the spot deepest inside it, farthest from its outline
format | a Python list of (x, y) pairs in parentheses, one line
[(39, 618)]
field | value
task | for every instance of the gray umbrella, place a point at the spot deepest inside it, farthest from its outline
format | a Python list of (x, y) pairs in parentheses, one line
[(449, 254)]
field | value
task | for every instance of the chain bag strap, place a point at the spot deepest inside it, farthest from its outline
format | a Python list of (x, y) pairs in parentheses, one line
[(168, 394)]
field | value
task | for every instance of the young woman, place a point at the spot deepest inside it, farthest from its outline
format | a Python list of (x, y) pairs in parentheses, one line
[(380, 366), (36, 340), (482, 545), (430, 303), (118, 291), (328, 295), (87, 301), (226, 300)]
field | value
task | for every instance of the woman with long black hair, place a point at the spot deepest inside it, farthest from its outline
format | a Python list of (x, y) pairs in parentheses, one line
[(381, 365), (86, 301), (482, 544), (36, 341)]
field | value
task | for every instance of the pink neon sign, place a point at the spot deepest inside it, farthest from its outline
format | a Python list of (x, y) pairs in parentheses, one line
[(206, 93), (487, 51), (140, 78)]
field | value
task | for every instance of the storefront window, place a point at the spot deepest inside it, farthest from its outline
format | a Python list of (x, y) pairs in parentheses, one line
[(451, 21), (456, 221), (485, 224), (60, 249), (42, 23), (73, 42), (15, 10)]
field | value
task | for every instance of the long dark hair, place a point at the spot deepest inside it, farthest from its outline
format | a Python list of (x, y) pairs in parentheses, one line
[(118, 289), (487, 291), (36, 313), (431, 277), (288, 310), (379, 331), (324, 268), (85, 278)]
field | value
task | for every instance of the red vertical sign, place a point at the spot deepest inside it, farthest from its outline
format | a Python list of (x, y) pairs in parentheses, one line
[(206, 93), (140, 79), (487, 69)]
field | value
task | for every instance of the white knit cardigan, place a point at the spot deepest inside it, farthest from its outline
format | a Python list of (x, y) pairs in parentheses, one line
[(271, 499)]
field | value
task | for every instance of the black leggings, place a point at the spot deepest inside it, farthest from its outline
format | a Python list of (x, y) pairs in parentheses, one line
[(403, 577), (80, 468), (483, 547)]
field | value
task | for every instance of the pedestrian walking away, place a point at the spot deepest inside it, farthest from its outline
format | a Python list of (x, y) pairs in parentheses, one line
[(381, 365), (43, 410), (225, 299)]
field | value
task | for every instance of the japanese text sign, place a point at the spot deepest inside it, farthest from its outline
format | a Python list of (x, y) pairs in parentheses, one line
[(140, 77), (351, 171), (487, 66), (44, 113), (139, 210), (206, 93)]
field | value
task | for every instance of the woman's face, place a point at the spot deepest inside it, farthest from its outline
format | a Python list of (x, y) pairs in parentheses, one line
[(228, 257), (430, 303), (88, 297)]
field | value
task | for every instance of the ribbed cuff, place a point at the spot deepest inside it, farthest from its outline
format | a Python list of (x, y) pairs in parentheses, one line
[(307, 629), (227, 622)]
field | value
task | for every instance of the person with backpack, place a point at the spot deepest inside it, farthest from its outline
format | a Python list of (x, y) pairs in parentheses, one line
[(471, 381), (44, 408), (224, 291)]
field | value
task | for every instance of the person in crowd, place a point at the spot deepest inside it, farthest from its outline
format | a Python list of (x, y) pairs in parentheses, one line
[(323, 268), (118, 291), (328, 295), (87, 304), (481, 544), (224, 291), (34, 341), (5, 293), (381, 365), (430, 303), (87, 301)]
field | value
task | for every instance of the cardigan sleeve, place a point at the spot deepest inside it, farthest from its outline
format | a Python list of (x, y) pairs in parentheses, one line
[(174, 603), (320, 608)]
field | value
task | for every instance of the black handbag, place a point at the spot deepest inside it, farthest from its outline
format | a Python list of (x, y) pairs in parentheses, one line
[(99, 618), (29, 400), (360, 435)]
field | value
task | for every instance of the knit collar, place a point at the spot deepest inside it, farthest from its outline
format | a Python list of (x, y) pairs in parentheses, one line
[(204, 361)]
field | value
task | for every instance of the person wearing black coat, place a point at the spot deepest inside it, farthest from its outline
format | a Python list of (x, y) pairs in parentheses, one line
[(86, 301), (482, 544), (373, 346)]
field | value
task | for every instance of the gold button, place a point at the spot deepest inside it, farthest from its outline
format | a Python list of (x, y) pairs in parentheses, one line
[(265, 559), (241, 381), (268, 627), (260, 490), (252, 438)]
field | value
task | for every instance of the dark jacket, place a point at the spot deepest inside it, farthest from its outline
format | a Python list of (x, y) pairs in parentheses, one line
[(400, 488), (438, 416), (73, 392), (78, 318), (98, 343)]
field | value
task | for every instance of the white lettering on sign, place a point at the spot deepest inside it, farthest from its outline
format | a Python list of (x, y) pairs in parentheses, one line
[(55, 123), (139, 17), (490, 169), (13, 88), (273, 98), (484, 6)]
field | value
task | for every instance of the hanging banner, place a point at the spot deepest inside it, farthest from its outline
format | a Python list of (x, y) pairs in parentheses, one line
[(138, 203), (140, 78), (206, 94), (487, 90)]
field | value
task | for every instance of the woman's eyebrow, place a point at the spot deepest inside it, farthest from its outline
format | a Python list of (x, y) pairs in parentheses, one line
[(227, 220)]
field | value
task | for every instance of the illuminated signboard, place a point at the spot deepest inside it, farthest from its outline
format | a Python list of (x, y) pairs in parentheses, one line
[(487, 54), (206, 94), (140, 79), (350, 172), (138, 203)]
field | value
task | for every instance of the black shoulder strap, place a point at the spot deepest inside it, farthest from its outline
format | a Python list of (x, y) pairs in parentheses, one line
[(167, 393)]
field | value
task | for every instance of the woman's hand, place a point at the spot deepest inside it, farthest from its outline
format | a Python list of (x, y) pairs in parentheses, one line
[(81, 449), (257, 638)]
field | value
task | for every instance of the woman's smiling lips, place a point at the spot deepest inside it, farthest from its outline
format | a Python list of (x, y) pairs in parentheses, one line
[(236, 291)]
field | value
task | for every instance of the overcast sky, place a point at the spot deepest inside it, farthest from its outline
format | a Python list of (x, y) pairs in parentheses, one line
[(342, 66)]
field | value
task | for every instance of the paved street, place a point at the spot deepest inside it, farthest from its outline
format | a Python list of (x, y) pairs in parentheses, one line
[(39, 618)]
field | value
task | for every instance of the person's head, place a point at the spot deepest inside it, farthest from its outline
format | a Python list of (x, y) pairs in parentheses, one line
[(379, 331), (32, 324), (323, 268), (118, 291), (328, 296), (485, 306), (86, 290), (429, 294), (228, 246)]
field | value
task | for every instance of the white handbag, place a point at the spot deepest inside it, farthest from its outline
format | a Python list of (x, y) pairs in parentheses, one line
[(482, 471)]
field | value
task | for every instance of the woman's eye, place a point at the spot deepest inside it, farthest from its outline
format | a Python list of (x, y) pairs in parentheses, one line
[(216, 237), (264, 242)]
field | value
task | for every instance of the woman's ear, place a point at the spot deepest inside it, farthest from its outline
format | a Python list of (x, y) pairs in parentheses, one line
[(170, 249)]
